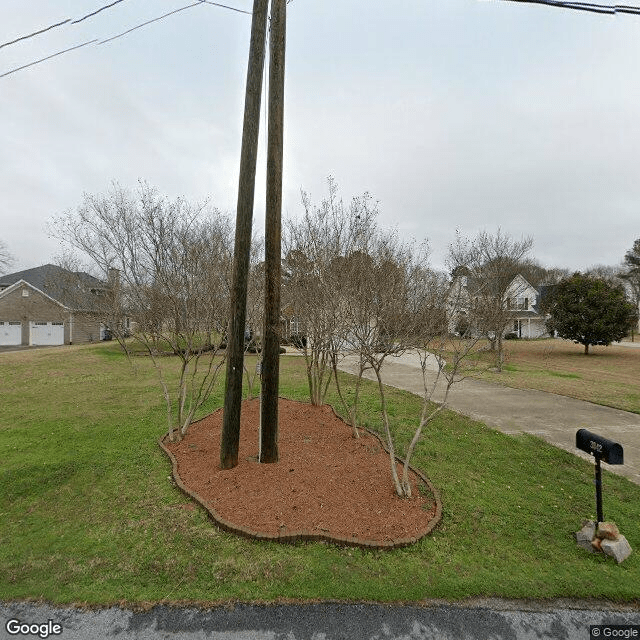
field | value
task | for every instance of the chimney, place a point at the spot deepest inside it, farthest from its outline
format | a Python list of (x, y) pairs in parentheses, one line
[(113, 277)]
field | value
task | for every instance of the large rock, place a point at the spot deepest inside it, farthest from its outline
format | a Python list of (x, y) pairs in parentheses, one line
[(585, 536), (607, 530), (618, 549)]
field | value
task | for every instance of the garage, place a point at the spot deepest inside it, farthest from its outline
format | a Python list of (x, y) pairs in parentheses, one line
[(10, 333), (47, 333)]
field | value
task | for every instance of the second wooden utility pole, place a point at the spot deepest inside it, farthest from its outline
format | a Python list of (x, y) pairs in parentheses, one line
[(244, 217), (272, 249)]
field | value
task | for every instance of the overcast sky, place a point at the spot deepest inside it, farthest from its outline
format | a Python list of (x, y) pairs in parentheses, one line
[(453, 114)]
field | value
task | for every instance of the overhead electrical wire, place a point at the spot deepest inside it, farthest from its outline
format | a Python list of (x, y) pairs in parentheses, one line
[(224, 6), (89, 15), (97, 40), (35, 33), (53, 55), (59, 24), (565, 4), (144, 24), (585, 6)]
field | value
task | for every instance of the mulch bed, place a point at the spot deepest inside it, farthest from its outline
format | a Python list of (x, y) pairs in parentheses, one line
[(327, 485)]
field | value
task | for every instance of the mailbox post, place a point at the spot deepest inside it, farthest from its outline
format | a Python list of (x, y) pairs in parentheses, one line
[(602, 450)]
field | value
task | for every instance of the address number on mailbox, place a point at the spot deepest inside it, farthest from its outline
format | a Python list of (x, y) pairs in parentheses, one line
[(606, 450)]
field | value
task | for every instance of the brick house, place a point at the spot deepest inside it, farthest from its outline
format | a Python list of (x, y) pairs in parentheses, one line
[(49, 305)]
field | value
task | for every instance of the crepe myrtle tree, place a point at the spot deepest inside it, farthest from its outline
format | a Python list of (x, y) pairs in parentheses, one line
[(381, 304), (589, 310), (172, 260), (396, 303), (444, 357), (317, 248)]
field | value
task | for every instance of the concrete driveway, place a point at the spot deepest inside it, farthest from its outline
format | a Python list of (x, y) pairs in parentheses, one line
[(546, 415)]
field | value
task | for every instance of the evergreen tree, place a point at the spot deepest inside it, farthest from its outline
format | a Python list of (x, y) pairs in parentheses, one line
[(589, 311)]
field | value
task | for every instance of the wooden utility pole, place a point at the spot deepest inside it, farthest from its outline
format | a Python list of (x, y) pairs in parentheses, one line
[(271, 334), (244, 217)]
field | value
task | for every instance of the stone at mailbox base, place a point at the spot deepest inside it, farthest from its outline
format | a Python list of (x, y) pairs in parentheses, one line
[(585, 536), (607, 539), (618, 549), (608, 530)]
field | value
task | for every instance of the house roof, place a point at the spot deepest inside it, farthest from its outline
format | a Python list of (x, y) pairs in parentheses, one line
[(70, 288)]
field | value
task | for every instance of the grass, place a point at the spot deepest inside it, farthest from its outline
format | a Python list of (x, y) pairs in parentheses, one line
[(88, 512), (607, 376)]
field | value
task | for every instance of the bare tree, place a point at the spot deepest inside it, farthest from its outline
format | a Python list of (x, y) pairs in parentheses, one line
[(255, 313), (631, 275), (485, 268), (6, 259), (381, 299), (401, 306), (444, 357), (607, 272), (317, 247), (169, 266)]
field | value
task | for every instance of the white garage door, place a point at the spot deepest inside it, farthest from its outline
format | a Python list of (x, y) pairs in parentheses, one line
[(48, 333), (10, 333)]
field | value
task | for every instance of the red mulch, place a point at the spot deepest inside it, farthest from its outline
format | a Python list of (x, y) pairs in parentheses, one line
[(326, 484)]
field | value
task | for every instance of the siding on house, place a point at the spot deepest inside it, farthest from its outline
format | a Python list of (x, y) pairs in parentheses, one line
[(522, 300)]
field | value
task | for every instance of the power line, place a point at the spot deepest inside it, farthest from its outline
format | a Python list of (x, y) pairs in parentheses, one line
[(59, 24), (35, 33), (107, 6), (585, 6), (144, 24), (217, 4), (53, 55), (97, 40)]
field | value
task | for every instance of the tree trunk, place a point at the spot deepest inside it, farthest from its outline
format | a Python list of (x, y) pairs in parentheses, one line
[(387, 428), (586, 349), (334, 364), (499, 354)]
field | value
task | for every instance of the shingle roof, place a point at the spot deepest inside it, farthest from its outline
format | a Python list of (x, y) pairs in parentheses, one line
[(71, 288)]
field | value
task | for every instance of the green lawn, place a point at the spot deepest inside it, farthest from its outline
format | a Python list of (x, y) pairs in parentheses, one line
[(88, 512), (607, 376)]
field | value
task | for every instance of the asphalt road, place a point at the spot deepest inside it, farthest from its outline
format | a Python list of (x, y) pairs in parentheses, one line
[(482, 620)]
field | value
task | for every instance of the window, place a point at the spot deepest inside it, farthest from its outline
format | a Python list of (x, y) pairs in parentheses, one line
[(25, 293), (519, 303)]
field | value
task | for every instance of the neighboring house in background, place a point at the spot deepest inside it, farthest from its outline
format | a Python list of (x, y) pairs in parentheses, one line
[(49, 305), (522, 301)]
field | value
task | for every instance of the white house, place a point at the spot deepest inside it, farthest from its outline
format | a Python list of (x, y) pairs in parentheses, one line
[(521, 299)]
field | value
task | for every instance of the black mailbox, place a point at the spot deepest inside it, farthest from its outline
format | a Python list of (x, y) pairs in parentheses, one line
[(606, 450)]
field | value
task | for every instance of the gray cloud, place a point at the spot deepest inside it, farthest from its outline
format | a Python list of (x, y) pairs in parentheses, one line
[(461, 114)]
